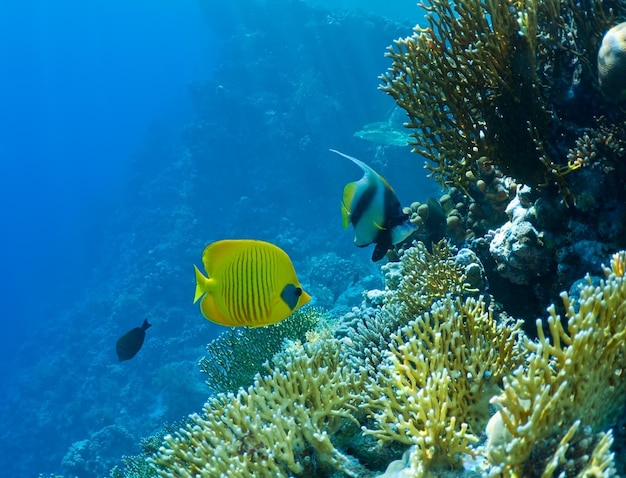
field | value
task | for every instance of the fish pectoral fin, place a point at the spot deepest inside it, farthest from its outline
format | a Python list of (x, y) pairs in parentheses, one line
[(400, 232), (345, 216), (348, 197)]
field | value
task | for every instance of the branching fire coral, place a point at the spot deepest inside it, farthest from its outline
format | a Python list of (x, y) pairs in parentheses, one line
[(484, 79), (571, 381), (434, 390), (278, 427), (438, 381), (422, 278)]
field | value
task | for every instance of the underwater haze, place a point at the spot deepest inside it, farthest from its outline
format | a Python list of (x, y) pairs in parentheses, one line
[(81, 84), (133, 134)]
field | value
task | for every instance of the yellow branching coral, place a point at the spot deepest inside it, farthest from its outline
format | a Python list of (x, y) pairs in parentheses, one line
[(483, 78), (572, 380), (441, 371), (425, 277), (276, 428)]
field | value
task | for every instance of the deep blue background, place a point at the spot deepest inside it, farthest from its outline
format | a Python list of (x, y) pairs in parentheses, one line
[(131, 135), (80, 83)]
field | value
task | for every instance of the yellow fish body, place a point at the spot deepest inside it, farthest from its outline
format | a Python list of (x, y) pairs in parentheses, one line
[(250, 283)]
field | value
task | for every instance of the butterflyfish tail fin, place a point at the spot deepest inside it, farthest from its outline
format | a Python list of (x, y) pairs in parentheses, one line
[(201, 284)]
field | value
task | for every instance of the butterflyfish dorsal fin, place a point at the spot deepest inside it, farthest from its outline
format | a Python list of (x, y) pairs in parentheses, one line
[(218, 254)]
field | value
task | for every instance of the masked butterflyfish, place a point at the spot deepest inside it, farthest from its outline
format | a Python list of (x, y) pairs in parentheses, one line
[(250, 283), (130, 343), (373, 209)]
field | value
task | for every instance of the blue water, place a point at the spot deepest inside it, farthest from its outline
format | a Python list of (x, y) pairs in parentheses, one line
[(131, 135)]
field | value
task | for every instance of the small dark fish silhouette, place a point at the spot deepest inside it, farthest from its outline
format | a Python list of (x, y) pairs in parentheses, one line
[(130, 343)]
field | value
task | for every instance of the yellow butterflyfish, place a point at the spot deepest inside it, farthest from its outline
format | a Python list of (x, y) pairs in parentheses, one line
[(250, 283)]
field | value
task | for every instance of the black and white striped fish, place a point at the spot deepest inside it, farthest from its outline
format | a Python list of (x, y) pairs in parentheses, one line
[(373, 209)]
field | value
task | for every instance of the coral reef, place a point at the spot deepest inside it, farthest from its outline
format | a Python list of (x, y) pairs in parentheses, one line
[(421, 277), (412, 285), (535, 154), (521, 252), (282, 425), (570, 381), (504, 102), (83, 457), (612, 63), (428, 389), (501, 56), (433, 390)]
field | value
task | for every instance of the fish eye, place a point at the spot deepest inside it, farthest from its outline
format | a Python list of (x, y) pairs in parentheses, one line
[(297, 291)]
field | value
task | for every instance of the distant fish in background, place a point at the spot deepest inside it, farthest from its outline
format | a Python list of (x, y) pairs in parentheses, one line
[(250, 283), (130, 343), (373, 209)]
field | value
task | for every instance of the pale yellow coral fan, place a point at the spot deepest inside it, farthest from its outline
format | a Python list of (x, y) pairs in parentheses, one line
[(434, 389), (572, 380), (276, 428)]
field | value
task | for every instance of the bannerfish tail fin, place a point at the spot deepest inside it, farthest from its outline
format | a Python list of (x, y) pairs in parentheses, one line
[(202, 285), (146, 325)]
